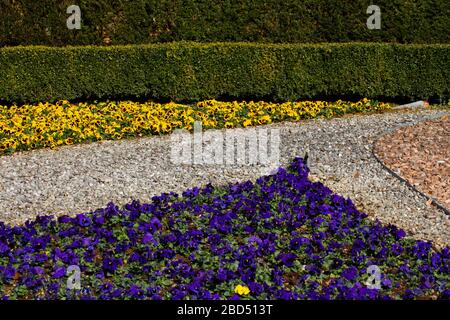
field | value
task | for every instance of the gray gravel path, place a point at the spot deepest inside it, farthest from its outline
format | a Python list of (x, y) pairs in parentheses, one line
[(79, 178)]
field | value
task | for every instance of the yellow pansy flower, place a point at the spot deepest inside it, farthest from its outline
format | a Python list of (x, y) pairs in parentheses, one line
[(247, 123), (241, 290)]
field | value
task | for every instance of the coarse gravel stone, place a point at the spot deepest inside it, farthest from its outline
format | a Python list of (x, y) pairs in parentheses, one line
[(75, 179)]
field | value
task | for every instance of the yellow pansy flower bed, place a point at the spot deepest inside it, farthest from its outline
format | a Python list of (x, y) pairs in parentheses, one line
[(27, 127)]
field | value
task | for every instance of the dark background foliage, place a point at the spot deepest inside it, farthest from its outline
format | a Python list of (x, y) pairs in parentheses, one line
[(43, 22)]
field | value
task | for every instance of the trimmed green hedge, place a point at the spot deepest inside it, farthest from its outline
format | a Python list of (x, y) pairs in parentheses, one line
[(194, 71), (43, 22)]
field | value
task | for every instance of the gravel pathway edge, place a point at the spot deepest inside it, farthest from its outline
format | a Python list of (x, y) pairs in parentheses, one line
[(406, 182)]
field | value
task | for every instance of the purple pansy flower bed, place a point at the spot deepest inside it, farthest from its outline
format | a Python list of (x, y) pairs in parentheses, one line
[(283, 237)]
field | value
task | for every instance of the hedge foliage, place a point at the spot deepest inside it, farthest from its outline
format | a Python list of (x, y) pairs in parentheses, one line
[(195, 71), (43, 22)]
